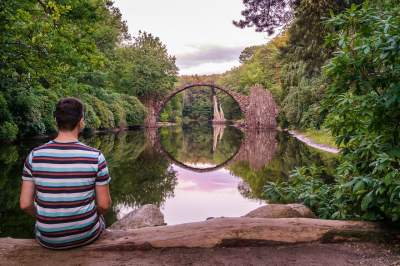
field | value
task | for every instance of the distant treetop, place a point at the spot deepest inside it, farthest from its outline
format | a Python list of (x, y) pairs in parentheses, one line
[(266, 15)]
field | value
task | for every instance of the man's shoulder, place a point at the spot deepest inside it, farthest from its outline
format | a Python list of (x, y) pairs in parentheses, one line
[(41, 147), (78, 146), (89, 147)]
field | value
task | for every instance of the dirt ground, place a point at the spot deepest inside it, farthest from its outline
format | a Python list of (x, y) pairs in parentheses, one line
[(300, 254)]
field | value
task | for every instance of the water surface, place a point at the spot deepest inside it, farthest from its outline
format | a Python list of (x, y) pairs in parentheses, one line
[(191, 172)]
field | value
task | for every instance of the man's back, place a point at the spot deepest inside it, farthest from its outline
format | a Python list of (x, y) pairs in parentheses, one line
[(65, 176)]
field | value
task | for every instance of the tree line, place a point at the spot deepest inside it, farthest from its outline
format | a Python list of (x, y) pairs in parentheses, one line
[(52, 49)]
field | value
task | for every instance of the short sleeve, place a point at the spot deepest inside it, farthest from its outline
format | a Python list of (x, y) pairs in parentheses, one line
[(103, 176), (27, 170)]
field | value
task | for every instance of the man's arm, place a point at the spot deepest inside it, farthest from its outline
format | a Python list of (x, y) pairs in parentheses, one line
[(103, 198), (26, 197)]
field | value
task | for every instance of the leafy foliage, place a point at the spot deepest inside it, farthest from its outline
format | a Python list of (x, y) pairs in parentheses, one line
[(301, 96), (362, 103), (144, 68), (266, 15), (365, 88), (197, 104), (261, 66), (302, 80), (13, 220), (173, 110), (53, 49), (306, 186)]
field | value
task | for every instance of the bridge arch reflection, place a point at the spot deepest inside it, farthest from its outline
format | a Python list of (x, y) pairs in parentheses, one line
[(258, 147)]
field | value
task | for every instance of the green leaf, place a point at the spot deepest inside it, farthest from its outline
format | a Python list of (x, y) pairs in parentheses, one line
[(359, 187), (366, 201)]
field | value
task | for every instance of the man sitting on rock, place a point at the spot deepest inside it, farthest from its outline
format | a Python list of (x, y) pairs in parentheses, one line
[(65, 184)]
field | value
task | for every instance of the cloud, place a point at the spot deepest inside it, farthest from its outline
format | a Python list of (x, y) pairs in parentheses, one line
[(208, 54), (209, 68)]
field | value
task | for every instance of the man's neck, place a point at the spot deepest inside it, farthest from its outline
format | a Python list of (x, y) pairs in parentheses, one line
[(67, 136)]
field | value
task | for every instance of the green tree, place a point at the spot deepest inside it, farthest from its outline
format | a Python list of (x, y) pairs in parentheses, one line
[(153, 72), (266, 15), (262, 67), (302, 58), (52, 49)]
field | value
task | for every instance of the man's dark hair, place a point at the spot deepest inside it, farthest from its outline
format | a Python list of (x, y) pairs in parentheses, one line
[(69, 112)]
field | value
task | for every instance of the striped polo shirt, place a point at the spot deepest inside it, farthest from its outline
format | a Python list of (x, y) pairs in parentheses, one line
[(65, 176)]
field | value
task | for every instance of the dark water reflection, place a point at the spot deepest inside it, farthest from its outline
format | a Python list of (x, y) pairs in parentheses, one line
[(170, 169)]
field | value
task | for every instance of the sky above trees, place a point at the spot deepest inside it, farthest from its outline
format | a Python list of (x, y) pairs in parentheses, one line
[(199, 33)]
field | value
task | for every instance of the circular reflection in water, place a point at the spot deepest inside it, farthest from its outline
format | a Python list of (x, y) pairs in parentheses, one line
[(200, 148)]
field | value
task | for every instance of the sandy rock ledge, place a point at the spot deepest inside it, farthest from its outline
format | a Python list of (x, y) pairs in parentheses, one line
[(225, 232), (253, 239)]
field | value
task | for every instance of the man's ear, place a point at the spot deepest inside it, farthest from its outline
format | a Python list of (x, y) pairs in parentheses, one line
[(82, 123)]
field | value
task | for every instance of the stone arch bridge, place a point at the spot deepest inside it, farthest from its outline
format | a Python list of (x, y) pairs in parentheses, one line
[(259, 108)]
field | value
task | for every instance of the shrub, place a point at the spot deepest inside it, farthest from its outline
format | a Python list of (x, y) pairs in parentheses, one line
[(119, 113), (135, 111), (49, 100), (8, 131), (117, 110), (92, 121), (102, 112), (365, 96), (27, 112), (305, 186)]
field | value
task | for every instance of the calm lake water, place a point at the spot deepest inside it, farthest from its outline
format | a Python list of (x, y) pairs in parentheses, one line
[(191, 172)]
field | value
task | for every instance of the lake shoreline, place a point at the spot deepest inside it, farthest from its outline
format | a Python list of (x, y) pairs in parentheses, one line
[(312, 143)]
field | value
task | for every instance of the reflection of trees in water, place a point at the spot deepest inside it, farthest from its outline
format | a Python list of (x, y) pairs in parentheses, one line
[(13, 222), (290, 153), (140, 174), (195, 144), (142, 180)]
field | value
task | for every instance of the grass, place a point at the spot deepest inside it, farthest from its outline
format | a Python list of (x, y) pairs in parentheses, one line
[(322, 136)]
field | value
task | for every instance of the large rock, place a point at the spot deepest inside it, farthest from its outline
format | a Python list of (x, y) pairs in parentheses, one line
[(145, 216), (281, 211)]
